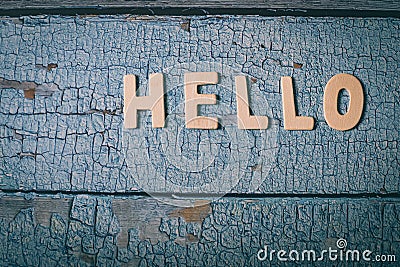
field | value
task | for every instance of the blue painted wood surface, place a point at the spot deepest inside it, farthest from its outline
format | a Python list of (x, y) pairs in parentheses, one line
[(72, 179), (73, 140), (103, 231)]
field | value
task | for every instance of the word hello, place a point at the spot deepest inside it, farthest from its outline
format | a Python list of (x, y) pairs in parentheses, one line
[(192, 80)]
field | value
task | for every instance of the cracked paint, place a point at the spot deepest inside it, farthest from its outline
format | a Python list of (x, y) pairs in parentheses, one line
[(230, 234), (61, 130), (70, 136)]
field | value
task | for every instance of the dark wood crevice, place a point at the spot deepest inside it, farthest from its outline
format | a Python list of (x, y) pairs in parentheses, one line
[(341, 8), (204, 195)]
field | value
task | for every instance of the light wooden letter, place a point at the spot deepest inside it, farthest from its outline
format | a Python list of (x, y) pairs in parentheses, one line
[(291, 120), (244, 119), (193, 99), (154, 101), (353, 86)]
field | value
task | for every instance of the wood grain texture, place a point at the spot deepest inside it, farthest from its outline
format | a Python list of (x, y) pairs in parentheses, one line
[(386, 5), (109, 231), (70, 137)]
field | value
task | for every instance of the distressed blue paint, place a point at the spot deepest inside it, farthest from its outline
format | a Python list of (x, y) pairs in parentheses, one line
[(230, 235), (72, 140)]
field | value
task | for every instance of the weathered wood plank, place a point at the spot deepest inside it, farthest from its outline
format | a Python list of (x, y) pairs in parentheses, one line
[(258, 4), (70, 137), (44, 207), (103, 231)]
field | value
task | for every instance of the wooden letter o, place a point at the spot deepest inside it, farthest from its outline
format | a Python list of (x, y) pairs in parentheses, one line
[(353, 86)]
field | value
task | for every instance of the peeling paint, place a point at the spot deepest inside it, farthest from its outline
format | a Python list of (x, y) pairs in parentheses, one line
[(297, 65), (230, 234), (30, 93), (186, 26), (30, 88), (77, 137), (65, 135), (49, 66), (193, 214)]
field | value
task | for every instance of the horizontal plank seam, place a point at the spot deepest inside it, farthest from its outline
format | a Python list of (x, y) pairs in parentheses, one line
[(205, 195), (189, 11)]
